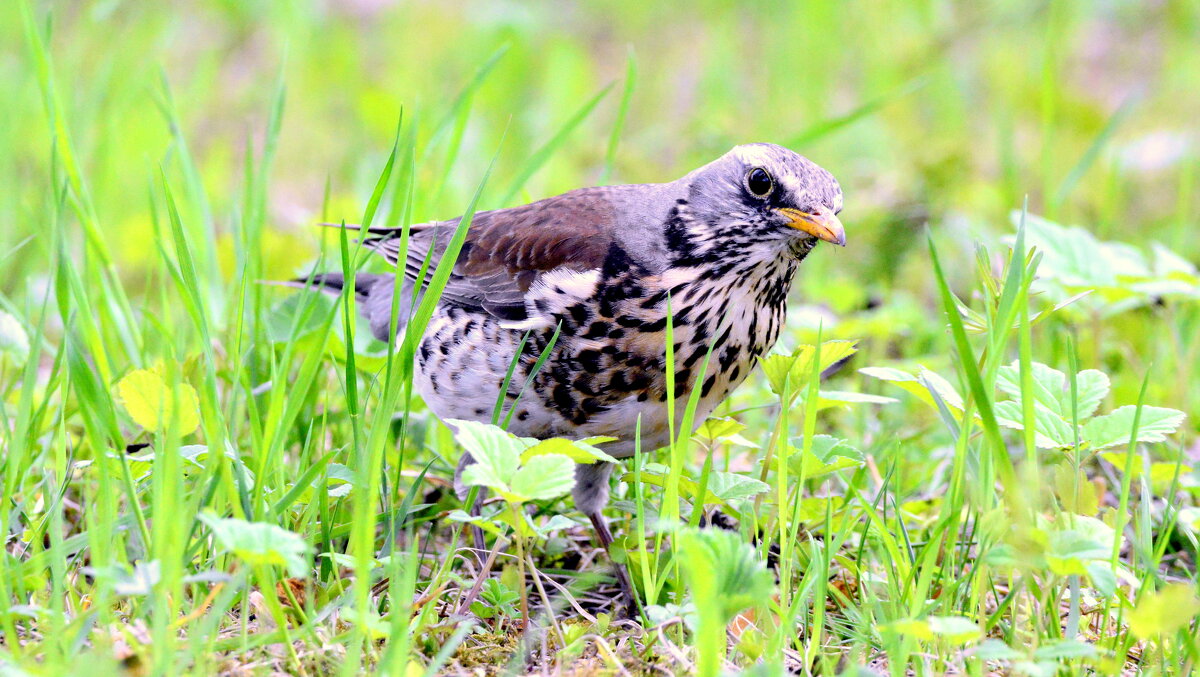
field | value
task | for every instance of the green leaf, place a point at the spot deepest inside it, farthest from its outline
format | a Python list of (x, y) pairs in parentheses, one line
[(542, 478), (1093, 387), (1052, 431), (923, 385), (794, 369), (150, 402), (724, 429), (261, 544), (687, 486), (731, 486), (578, 451), (341, 480), (1086, 539), (555, 523), (496, 451), (719, 427), (827, 455), (1164, 611), (1048, 384), (485, 475), (1114, 429), (1052, 389), (306, 312)]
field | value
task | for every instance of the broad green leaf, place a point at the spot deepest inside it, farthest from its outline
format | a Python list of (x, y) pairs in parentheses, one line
[(498, 451), (687, 486), (1071, 256), (283, 316), (1054, 391), (1048, 385), (1122, 275), (555, 523), (1114, 429), (1069, 551), (731, 486), (719, 427), (726, 430), (150, 401), (942, 388), (827, 455), (795, 368), (13, 339), (1051, 430), (1164, 611), (261, 544), (486, 475), (921, 385), (341, 480), (542, 478), (1093, 387), (577, 451)]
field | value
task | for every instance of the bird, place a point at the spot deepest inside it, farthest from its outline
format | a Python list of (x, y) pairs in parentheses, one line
[(602, 268)]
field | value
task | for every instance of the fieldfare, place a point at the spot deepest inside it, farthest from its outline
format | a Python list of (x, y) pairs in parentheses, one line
[(718, 248)]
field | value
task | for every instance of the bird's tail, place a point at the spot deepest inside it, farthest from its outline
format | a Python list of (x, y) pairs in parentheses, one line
[(373, 294)]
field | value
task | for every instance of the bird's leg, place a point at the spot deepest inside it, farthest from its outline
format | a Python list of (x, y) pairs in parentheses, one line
[(475, 510), (475, 507), (591, 495), (606, 539)]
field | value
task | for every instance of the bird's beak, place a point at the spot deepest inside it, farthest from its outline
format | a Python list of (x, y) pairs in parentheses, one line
[(821, 223)]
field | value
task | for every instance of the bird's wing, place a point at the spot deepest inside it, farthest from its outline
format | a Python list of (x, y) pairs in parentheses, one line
[(508, 250)]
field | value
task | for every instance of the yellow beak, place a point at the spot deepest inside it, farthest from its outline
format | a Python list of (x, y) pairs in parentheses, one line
[(821, 224)]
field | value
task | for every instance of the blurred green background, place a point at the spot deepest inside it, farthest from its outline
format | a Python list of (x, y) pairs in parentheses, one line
[(940, 112)]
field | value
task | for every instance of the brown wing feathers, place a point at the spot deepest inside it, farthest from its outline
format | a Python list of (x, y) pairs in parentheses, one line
[(507, 249)]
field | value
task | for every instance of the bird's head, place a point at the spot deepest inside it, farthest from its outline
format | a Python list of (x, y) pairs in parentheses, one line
[(763, 194)]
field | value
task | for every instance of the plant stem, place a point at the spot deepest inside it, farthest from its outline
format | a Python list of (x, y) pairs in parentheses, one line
[(520, 540)]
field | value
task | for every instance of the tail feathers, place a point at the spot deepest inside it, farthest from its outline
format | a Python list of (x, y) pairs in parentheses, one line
[(373, 294)]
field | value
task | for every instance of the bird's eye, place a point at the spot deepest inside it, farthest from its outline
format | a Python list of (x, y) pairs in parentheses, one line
[(759, 182)]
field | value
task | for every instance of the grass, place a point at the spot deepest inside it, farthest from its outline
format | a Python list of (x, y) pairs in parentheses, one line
[(1001, 478)]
